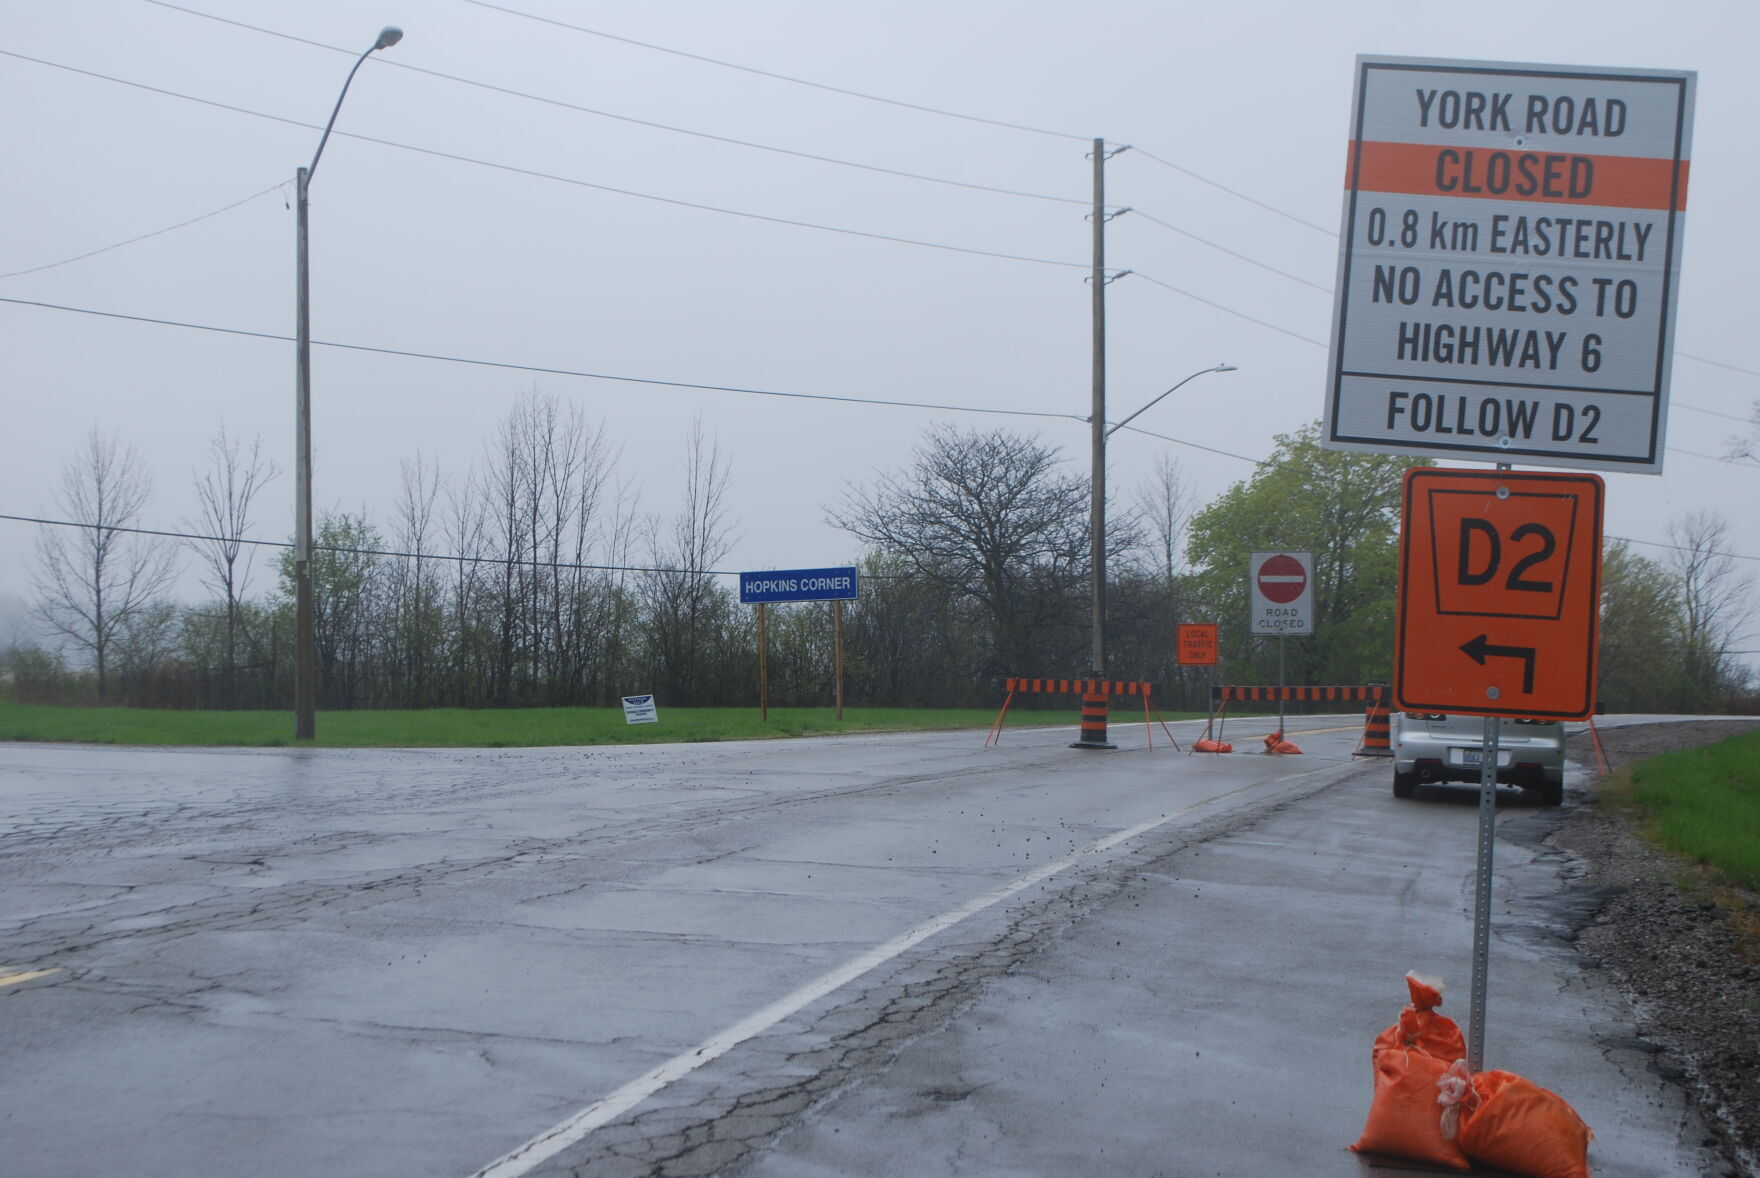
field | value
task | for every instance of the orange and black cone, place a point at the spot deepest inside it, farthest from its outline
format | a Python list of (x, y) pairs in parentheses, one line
[(1093, 723)]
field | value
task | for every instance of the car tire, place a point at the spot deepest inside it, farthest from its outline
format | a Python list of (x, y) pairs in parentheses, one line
[(1552, 793), (1404, 784)]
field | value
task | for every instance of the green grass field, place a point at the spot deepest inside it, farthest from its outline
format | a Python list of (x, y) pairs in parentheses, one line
[(1703, 804), (489, 728)]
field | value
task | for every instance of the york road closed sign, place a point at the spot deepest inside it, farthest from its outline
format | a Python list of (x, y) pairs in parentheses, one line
[(1499, 593), (1509, 262)]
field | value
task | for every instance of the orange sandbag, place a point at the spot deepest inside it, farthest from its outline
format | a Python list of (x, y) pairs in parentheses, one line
[(1523, 1128), (1211, 746), (1404, 1117), (1421, 1028), (1274, 743)]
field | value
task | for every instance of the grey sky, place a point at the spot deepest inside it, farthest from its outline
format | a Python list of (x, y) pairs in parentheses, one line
[(416, 252)]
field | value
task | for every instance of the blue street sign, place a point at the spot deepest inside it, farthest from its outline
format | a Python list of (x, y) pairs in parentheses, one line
[(779, 585)]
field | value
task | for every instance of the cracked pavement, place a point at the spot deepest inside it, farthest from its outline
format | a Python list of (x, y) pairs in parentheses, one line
[(409, 963)]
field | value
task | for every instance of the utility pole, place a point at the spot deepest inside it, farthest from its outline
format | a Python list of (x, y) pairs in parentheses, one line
[(1093, 728)]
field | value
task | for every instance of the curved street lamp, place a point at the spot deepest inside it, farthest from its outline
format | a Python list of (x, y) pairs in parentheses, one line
[(1093, 729), (305, 654)]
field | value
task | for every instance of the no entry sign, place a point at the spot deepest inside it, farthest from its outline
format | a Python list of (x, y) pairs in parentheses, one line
[(1281, 589), (1509, 262)]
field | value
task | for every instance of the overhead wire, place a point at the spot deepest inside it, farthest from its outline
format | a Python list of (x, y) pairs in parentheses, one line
[(639, 122), (543, 370), (537, 174), (145, 236), (952, 114)]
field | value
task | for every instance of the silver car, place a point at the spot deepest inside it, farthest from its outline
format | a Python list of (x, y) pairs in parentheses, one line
[(1429, 747)]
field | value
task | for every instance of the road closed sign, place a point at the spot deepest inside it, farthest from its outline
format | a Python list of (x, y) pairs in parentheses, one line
[(1499, 593), (1509, 262), (1280, 592)]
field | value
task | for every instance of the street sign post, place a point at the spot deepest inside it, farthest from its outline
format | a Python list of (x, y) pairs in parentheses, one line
[(1509, 262), (1280, 586), (1499, 593), (777, 586), (1499, 606), (1195, 644)]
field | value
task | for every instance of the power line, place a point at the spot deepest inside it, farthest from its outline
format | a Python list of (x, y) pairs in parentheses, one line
[(143, 237), (780, 77), (1719, 364), (1325, 290), (1227, 310), (557, 102), (541, 369), (532, 172), (538, 564), (1234, 192)]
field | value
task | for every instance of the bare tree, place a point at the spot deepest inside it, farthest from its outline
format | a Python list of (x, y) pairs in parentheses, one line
[(1716, 601), (686, 609), (1166, 501), (94, 580), (225, 492), (989, 518)]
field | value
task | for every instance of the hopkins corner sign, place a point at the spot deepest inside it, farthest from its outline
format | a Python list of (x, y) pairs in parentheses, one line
[(776, 586), (1499, 592), (1509, 262)]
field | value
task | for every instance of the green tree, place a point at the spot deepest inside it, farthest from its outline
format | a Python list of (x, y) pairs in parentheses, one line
[(1344, 508), (1640, 663)]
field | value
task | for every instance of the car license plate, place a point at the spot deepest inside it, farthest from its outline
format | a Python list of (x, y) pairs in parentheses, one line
[(1472, 756)]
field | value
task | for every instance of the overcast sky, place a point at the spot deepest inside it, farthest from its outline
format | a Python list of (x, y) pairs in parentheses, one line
[(477, 228)]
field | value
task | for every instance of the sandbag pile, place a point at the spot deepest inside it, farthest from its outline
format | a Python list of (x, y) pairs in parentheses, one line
[(1275, 743), (1427, 1107)]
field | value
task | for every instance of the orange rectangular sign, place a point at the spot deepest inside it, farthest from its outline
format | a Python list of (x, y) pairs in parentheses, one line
[(1499, 593), (1195, 645)]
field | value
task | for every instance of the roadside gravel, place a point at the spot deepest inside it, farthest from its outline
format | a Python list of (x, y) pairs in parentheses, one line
[(1669, 945)]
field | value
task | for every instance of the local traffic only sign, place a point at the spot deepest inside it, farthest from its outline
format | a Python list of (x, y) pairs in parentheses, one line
[(1509, 262), (1499, 593), (1195, 644), (1281, 590)]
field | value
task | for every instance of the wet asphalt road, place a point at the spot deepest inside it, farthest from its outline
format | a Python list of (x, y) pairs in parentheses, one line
[(877, 955)]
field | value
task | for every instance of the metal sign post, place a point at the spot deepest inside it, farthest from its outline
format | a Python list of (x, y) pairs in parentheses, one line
[(1482, 893)]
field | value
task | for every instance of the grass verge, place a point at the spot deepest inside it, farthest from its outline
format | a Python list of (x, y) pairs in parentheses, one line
[(488, 728), (1701, 804)]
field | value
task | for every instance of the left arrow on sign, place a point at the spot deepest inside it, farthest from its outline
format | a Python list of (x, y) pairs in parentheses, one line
[(1480, 648)]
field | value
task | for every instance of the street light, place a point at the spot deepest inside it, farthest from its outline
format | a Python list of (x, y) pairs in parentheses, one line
[(1093, 727), (305, 653)]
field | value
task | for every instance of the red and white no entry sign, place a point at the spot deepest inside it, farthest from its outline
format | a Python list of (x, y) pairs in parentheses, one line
[(1282, 579), (1281, 588)]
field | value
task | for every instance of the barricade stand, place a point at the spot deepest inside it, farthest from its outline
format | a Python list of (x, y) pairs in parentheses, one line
[(1221, 695), (1600, 753), (1090, 690), (995, 736)]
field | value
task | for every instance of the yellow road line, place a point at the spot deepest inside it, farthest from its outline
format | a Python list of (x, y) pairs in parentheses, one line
[(12, 979)]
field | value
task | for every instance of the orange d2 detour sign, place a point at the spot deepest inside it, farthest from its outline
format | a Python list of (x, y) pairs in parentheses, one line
[(1195, 644), (1499, 593)]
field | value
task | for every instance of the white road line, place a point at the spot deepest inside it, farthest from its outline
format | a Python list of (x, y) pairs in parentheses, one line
[(576, 1128)]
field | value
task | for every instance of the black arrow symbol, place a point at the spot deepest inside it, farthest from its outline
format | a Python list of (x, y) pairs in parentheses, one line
[(1480, 648)]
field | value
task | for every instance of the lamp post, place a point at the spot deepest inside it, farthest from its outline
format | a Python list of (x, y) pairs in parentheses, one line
[(305, 653), (1093, 727)]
